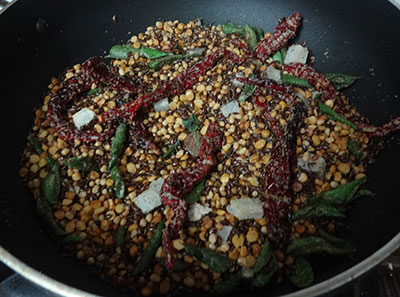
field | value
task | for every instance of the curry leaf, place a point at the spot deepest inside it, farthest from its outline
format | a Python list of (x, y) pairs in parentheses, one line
[(354, 149), (171, 149), (300, 273), (341, 81), (179, 265), (191, 124), (333, 239), (125, 51), (259, 33), (194, 195), (93, 92), (159, 63), (247, 92), (318, 245), (215, 261), (334, 115), (277, 57), (264, 257), (72, 239), (319, 210), (45, 212), (117, 144), (262, 279), (339, 196), (250, 37), (51, 185), (147, 256), (230, 28), (84, 164), (119, 186), (364, 193), (295, 81), (228, 283), (35, 144), (120, 236)]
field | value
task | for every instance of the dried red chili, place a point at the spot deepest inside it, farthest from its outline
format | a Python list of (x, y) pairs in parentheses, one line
[(178, 184), (139, 136), (282, 90), (94, 70), (277, 199), (284, 31), (382, 131), (184, 81), (317, 80)]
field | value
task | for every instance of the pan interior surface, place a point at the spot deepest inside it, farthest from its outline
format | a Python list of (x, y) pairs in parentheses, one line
[(336, 32)]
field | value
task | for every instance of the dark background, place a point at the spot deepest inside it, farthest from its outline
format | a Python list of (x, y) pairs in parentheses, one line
[(354, 37)]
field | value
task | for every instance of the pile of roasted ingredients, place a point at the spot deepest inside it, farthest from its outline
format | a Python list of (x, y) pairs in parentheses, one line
[(200, 157)]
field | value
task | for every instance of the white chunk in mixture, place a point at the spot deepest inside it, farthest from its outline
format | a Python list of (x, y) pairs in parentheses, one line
[(150, 199), (296, 54), (83, 117), (224, 233), (229, 108), (197, 211), (161, 105), (273, 73), (313, 164), (246, 208)]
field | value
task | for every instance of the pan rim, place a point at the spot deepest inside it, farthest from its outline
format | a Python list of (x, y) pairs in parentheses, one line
[(325, 286)]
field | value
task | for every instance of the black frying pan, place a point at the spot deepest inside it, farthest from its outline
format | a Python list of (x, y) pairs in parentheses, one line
[(356, 37)]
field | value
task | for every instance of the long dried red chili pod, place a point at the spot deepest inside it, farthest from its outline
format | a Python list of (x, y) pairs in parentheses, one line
[(382, 131), (184, 81), (178, 184), (272, 122), (94, 70), (97, 71), (277, 203), (246, 51), (181, 83), (277, 200), (283, 90), (284, 31), (316, 79)]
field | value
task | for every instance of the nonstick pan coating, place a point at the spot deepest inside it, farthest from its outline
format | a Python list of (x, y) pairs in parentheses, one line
[(354, 37)]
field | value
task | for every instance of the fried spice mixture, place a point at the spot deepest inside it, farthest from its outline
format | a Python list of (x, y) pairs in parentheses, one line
[(199, 169)]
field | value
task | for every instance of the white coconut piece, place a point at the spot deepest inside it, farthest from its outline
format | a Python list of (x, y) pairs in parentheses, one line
[(150, 199), (316, 166), (193, 143), (156, 184), (197, 51), (246, 208), (273, 74), (197, 211), (161, 105), (296, 54), (224, 233), (236, 82), (83, 117), (229, 108)]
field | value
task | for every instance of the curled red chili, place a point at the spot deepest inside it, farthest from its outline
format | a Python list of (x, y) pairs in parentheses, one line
[(284, 31), (178, 184), (94, 70)]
